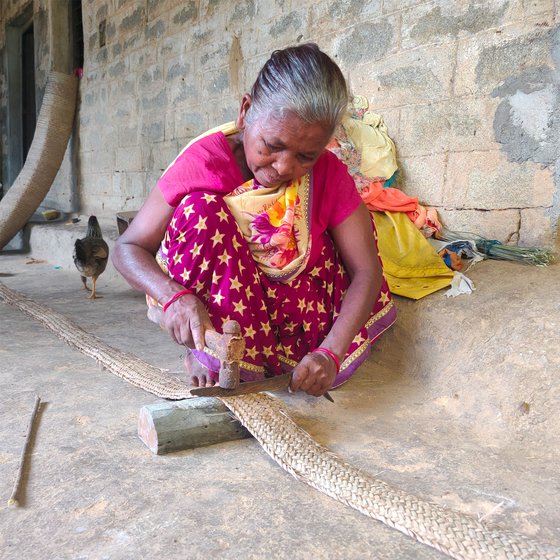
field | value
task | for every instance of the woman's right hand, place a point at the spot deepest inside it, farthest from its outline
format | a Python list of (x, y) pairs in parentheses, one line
[(186, 319)]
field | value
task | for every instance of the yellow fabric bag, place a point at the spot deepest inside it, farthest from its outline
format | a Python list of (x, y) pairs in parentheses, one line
[(369, 135), (412, 267)]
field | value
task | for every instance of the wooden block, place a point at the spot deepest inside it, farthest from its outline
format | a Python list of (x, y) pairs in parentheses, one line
[(176, 425)]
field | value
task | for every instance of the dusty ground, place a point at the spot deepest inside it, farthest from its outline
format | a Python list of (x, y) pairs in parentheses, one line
[(458, 404)]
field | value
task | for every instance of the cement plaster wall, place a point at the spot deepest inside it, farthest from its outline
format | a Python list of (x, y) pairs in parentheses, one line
[(469, 92)]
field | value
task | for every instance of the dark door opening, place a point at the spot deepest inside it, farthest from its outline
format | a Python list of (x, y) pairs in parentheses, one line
[(28, 110), (77, 36)]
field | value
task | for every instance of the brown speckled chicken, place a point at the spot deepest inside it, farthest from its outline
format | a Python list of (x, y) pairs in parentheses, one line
[(91, 254)]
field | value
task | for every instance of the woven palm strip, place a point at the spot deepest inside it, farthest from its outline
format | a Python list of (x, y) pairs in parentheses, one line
[(455, 534), (54, 126), (132, 369)]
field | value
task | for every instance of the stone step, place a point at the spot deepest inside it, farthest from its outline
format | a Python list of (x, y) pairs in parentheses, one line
[(54, 241)]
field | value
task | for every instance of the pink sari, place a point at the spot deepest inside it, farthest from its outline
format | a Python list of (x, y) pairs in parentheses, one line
[(281, 319)]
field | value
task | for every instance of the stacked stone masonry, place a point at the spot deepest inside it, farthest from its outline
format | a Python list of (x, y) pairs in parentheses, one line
[(469, 91)]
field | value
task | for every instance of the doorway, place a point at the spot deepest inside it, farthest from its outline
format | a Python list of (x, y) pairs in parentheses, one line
[(28, 108), (21, 106)]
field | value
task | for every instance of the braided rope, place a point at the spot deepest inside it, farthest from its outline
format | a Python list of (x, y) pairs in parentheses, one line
[(129, 367), (455, 534)]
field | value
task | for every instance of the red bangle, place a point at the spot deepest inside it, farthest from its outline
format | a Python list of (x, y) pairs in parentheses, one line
[(175, 297), (331, 354)]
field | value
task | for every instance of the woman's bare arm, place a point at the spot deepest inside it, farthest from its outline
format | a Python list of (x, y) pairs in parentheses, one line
[(354, 242), (134, 257)]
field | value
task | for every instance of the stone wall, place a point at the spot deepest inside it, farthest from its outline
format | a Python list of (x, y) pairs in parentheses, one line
[(469, 91)]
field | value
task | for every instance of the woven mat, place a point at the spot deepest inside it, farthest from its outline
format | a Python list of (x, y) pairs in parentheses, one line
[(455, 534)]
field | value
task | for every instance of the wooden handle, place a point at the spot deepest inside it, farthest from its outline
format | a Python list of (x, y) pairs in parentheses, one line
[(229, 346)]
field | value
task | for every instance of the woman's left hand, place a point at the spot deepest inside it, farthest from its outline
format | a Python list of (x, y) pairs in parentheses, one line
[(314, 374)]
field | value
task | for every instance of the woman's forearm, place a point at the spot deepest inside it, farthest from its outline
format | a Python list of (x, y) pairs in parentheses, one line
[(356, 307), (133, 254), (140, 269)]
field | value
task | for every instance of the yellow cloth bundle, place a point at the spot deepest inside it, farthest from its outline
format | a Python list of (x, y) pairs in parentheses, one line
[(412, 267)]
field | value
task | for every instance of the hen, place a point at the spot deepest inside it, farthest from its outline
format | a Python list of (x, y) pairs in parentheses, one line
[(91, 254)]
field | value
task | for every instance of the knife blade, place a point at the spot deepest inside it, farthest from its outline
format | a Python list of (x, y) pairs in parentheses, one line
[(275, 383)]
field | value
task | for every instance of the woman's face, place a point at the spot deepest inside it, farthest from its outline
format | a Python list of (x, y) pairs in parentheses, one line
[(280, 149)]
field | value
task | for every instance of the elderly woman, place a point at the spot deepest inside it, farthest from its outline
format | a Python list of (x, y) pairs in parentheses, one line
[(255, 221)]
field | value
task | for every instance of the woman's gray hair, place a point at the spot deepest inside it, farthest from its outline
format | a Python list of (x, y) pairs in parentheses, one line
[(301, 80)]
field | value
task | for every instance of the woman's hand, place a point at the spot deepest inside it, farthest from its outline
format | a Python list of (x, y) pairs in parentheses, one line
[(186, 319), (314, 374)]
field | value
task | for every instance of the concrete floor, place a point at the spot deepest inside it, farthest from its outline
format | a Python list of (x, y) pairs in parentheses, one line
[(458, 404)]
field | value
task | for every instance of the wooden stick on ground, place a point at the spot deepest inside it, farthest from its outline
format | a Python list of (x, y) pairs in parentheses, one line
[(13, 501)]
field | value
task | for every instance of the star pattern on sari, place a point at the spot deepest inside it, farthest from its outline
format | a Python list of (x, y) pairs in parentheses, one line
[(209, 198), (188, 210), (224, 257), (201, 224), (217, 238), (239, 307), (278, 319), (218, 297), (235, 284), (195, 251), (358, 339), (384, 299)]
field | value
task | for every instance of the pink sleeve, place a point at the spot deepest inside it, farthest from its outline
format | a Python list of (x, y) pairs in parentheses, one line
[(334, 191), (207, 165)]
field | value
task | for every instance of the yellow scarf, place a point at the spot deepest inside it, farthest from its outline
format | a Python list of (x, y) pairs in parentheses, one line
[(275, 224), (274, 221)]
